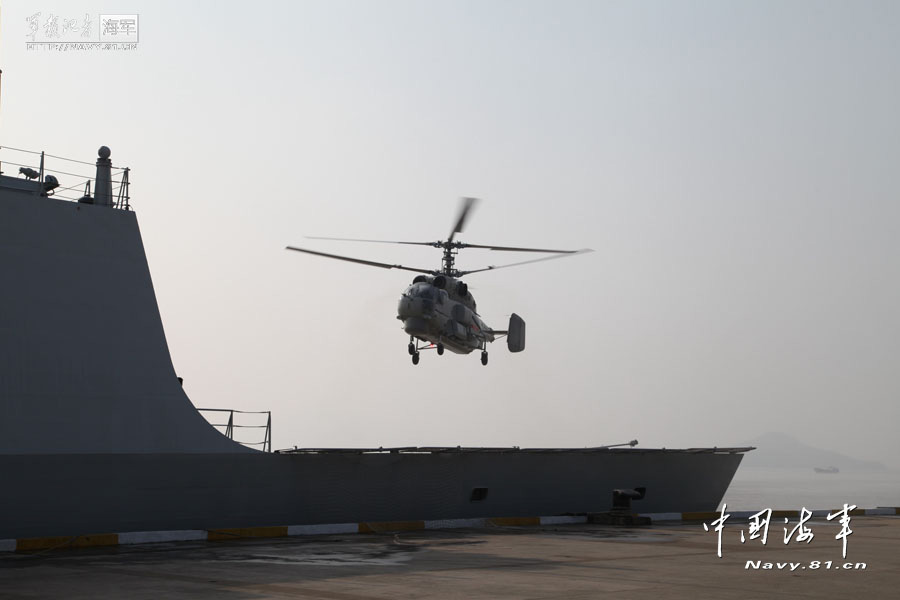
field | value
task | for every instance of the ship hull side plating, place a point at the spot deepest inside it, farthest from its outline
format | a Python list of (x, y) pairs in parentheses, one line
[(79, 494), (84, 363)]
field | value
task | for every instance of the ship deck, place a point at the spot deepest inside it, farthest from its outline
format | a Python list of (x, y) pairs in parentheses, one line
[(621, 448), (571, 561)]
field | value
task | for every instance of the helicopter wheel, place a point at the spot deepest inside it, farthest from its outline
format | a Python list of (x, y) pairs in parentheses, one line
[(411, 348), (484, 358), (440, 349), (415, 358)]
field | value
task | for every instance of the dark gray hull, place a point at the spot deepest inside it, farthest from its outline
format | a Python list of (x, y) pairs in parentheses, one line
[(47, 495)]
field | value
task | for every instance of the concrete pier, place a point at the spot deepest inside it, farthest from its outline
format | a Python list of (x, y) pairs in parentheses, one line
[(561, 561)]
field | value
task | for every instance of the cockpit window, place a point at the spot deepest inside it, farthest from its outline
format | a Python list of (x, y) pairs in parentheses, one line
[(423, 290)]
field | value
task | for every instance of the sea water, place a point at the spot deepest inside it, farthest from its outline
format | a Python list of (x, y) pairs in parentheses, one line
[(757, 488)]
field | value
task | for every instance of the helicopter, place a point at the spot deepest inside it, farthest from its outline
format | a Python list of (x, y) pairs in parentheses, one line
[(437, 309)]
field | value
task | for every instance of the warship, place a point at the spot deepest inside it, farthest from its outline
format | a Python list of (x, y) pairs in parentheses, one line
[(97, 434)]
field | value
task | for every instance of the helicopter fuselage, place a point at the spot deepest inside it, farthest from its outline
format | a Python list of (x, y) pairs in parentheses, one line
[(440, 310)]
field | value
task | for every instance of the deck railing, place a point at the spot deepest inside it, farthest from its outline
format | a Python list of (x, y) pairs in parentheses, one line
[(230, 426), (70, 183)]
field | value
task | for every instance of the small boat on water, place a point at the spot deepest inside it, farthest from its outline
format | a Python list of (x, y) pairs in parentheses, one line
[(826, 469)]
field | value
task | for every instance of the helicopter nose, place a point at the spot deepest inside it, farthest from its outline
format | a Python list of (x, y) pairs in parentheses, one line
[(412, 311), (414, 307), (416, 326), (408, 307)]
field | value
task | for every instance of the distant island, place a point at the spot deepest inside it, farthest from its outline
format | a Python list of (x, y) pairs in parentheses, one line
[(776, 449)]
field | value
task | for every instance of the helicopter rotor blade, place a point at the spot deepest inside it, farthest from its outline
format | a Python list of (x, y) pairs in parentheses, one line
[(525, 262), (315, 237), (370, 263), (464, 209), (515, 249)]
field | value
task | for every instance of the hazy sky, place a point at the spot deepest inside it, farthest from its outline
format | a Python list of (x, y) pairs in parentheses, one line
[(733, 164)]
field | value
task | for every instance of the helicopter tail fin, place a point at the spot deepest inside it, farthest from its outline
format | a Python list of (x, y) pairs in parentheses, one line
[(515, 341)]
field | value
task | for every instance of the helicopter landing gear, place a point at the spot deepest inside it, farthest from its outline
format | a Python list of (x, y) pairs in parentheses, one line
[(484, 357), (440, 349), (413, 349)]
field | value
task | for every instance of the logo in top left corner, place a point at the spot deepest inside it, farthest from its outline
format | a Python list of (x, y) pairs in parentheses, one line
[(42, 28), (119, 28)]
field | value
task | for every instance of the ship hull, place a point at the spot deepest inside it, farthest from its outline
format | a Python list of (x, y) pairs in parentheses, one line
[(54, 495)]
